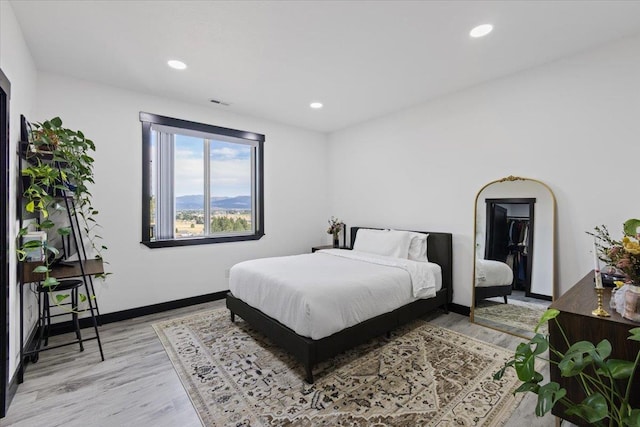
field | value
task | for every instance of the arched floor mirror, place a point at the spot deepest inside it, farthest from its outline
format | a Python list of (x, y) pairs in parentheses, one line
[(514, 268)]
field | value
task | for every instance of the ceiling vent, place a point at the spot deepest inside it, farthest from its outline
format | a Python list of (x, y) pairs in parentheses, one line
[(218, 102)]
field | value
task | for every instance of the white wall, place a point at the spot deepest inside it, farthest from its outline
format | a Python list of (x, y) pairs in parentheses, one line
[(572, 124), (295, 192), (18, 66)]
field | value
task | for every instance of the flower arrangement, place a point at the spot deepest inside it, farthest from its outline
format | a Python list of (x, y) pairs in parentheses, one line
[(335, 227), (623, 254)]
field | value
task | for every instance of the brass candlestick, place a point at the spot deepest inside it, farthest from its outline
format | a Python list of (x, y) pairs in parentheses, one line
[(600, 312)]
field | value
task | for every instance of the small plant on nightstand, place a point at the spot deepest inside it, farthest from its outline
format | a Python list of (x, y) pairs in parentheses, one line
[(335, 227)]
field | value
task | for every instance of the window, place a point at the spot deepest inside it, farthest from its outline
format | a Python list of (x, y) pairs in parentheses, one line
[(201, 183)]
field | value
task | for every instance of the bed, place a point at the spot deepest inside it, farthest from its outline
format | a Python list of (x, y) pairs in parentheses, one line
[(493, 279), (310, 351)]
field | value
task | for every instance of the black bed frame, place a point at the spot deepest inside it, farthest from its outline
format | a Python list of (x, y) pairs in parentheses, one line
[(483, 292), (310, 352)]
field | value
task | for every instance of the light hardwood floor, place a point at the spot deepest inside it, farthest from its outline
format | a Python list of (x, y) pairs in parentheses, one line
[(137, 386)]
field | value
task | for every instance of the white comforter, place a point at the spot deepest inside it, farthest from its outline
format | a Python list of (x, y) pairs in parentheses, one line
[(320, 294), (492, 273)]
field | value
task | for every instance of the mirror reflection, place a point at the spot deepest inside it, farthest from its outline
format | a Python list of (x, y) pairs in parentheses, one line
[(514, 240)]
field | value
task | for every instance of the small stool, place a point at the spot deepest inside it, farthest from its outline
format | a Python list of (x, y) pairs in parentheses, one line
[(45, 309)]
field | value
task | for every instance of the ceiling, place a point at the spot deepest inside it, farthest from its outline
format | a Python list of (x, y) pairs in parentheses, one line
[(270, 59)]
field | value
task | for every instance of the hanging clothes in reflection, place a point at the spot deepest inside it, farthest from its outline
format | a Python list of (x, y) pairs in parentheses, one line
[(518, 247)]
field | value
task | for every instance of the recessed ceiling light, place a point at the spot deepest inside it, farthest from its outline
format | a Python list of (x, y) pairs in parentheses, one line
[(178, 65), (316, 105), (481, 30)]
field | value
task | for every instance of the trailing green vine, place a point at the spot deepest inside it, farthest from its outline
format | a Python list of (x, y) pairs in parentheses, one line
[(59, 163)]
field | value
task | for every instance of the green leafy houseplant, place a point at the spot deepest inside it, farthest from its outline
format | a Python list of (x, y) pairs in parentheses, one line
[(607, 401), (58, 162)]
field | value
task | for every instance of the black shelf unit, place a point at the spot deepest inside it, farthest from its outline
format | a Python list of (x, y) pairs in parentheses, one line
[(83, 269)]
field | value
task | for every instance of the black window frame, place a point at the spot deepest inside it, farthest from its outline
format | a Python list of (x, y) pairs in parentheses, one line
[(149, 119)]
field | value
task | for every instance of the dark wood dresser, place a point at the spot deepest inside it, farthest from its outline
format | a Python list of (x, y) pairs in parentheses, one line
[(579, 324)]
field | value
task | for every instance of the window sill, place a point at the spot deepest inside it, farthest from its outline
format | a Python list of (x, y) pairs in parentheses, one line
[(200, 241)]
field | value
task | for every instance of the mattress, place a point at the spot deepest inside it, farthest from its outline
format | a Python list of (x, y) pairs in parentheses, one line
[(319, 294), (492, 273)]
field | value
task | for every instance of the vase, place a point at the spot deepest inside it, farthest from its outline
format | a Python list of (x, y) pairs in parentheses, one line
[(632, 303), (336, 241)]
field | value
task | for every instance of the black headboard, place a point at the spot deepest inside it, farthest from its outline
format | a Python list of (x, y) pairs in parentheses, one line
[(439, 251)]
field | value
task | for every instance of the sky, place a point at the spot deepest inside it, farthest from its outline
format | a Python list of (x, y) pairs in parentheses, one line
[(230, 168)]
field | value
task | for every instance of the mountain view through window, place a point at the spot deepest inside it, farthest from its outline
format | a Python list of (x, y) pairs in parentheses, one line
[(202, 183)]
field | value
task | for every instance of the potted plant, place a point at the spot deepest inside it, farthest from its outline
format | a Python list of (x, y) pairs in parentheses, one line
[(623, 260), (335, 227), (623, 254), (606, 382), (58, 163)]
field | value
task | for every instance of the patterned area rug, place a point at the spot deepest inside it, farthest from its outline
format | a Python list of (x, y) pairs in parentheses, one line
[(519, 316), (423, 375)]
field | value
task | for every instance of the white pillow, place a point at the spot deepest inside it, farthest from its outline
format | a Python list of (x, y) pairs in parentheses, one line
[(383, 242), (418, 247)]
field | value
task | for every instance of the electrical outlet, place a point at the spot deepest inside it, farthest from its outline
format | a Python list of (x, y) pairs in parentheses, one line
[(226, 273)]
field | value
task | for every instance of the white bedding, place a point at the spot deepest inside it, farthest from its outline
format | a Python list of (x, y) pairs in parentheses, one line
[(320, 294), (492, 273)]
